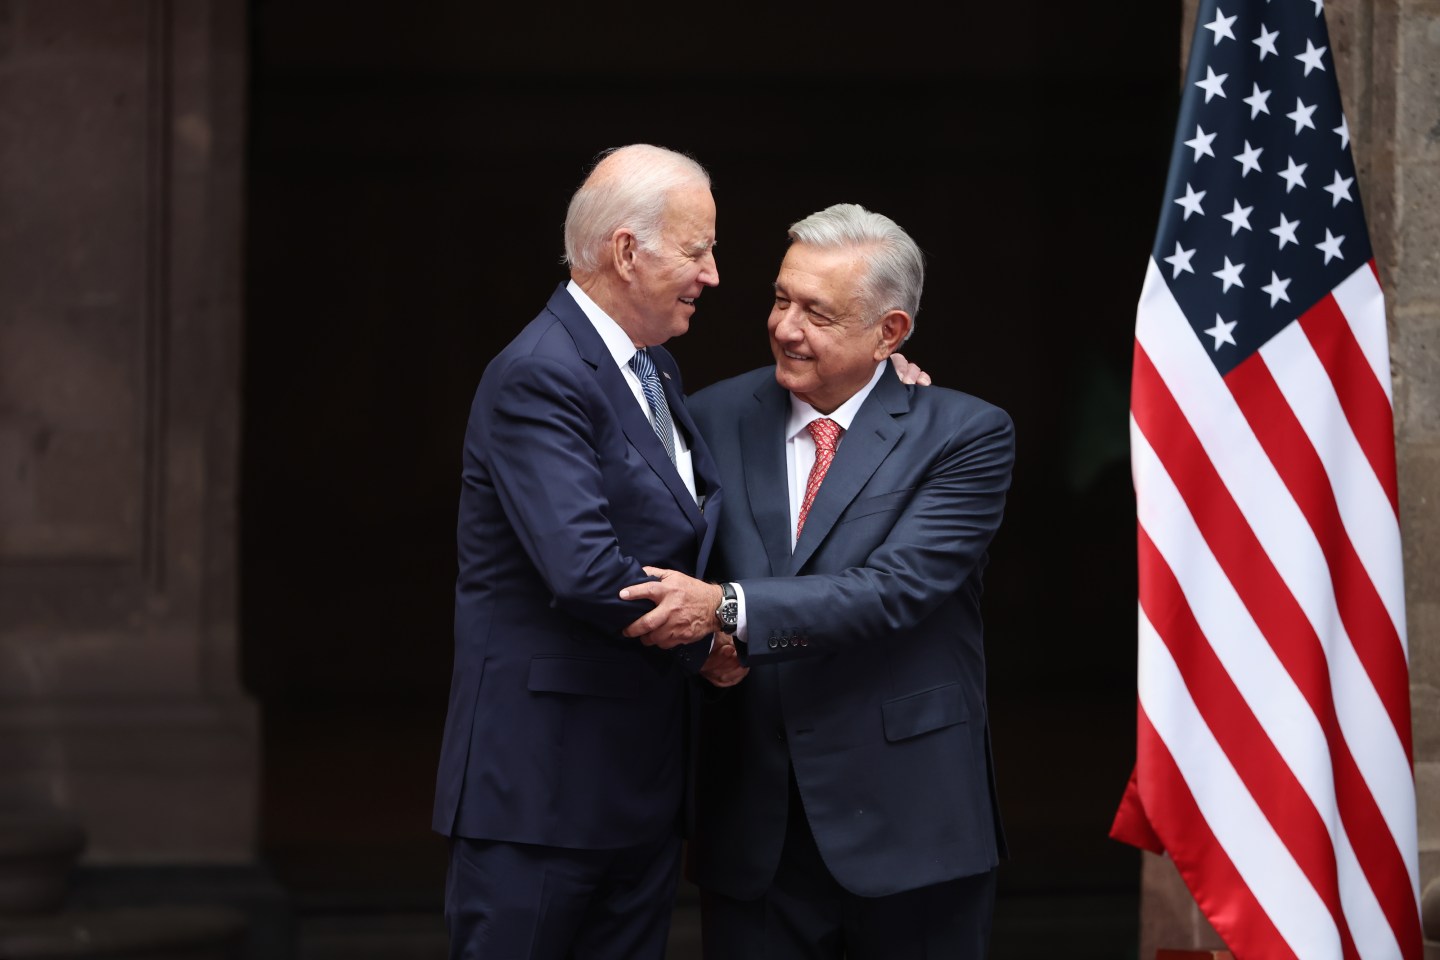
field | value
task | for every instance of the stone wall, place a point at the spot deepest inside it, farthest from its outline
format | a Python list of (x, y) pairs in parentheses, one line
[(120, 227), (1402, 149)]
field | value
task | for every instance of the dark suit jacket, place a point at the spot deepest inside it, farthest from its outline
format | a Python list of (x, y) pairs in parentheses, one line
[(560, 731), (865, 646)]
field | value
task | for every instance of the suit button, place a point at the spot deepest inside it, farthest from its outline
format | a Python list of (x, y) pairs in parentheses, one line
[(774, 641), (803, 640), (785, 640)]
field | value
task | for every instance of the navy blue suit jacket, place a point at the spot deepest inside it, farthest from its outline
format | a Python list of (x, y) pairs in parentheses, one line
[(865, 644), (560, 731)]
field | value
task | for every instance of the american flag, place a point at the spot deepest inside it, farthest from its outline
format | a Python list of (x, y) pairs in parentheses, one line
[(1273, 759)]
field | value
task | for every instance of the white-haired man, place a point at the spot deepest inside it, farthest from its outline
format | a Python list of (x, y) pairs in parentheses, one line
[(562, 765)]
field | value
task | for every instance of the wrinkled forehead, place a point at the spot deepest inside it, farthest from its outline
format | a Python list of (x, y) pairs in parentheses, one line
[(831, 279), (690, 216)]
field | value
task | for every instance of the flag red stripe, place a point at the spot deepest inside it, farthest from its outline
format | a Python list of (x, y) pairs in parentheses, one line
[(1380, 859), (1271, 604), (1132, 825), (1217, 886), (1362, 397), (1372, 632), (1280, 796)]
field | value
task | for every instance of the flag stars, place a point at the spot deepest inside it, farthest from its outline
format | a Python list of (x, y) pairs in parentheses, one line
[(1191, 201), (1213, 84), (1330, 246), (1201, 143), (1286, 231), (1276, 288), (1180, 260), (1222, 332), (1301, 115), (1249, 159), (1340, 189), (1229, 275), (1311, 57), (1220, 26), (1344, 131), (1239, 218), (1266, 41), (1257, 101), (1293, 175)]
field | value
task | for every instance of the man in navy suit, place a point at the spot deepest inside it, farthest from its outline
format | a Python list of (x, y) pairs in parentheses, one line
[(562, 765), (846, 801)]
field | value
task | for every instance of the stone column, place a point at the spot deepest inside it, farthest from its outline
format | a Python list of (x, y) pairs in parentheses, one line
[(121, 132), (1387, 56), (1402, 156)]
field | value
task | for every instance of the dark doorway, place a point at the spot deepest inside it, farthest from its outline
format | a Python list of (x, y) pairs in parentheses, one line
[(409, 170)]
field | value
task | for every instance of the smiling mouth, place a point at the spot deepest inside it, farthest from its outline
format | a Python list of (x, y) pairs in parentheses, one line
[(689, 300), (794, 356)]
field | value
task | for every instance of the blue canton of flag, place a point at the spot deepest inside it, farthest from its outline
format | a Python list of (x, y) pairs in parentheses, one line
[(1262, 215)]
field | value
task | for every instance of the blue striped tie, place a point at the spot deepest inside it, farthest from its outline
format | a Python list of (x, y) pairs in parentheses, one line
[(644, 368)]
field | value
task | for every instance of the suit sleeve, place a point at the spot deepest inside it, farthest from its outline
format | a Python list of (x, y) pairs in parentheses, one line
[(937, 543), (547, 474)]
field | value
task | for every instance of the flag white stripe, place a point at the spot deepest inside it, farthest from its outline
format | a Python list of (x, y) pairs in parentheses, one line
[(1261, 859), (1377, 752), (1363, 303), (1369, 927), (1364, 505)]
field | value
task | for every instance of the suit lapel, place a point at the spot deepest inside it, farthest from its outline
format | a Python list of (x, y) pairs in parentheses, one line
[(702, 464), (763, 430), (871, 437), (633, 422)]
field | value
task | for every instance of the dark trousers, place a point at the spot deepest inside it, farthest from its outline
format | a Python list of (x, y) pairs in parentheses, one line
[(515, 901), (807, 915)]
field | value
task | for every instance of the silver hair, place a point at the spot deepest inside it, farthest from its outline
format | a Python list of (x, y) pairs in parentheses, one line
[(627, 187), (896, 274)]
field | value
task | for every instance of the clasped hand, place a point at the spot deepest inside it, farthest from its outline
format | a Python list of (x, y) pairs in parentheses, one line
[(684, 612)]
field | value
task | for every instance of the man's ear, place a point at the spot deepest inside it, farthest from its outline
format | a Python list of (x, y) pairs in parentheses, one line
[(891, 329), (624, 250)]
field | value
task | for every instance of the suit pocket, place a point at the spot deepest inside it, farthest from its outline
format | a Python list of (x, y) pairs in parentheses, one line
[(884, 503), (922, 712), (584, 677)]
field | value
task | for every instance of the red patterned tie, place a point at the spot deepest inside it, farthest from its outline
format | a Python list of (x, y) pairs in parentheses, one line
[(826, 434)]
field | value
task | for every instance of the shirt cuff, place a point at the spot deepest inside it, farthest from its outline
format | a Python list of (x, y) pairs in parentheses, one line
[(742, 632)]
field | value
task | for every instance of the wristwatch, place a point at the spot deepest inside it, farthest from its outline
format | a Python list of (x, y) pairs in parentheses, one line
[(728, 613)]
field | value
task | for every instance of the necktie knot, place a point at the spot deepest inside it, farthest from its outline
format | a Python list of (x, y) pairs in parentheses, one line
[(643, 366), (826, 433), (654, 392)]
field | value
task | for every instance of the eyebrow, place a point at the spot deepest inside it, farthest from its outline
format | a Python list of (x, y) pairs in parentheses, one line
[(818, 306)]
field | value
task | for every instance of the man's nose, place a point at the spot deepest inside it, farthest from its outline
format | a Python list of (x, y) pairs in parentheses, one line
[(710, 272), (787, 327)]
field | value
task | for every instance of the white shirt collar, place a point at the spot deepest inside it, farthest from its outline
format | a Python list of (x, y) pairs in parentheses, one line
[(617, 341), (801, 413)]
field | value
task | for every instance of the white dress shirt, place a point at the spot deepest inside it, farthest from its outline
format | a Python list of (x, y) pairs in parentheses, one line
[(621, 348), (800, 457)]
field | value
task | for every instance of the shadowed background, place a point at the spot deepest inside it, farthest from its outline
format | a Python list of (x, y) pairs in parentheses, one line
[(408, 172)]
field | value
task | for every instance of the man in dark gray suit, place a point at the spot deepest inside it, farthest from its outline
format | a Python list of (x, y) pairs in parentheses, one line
[(846, 801)]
